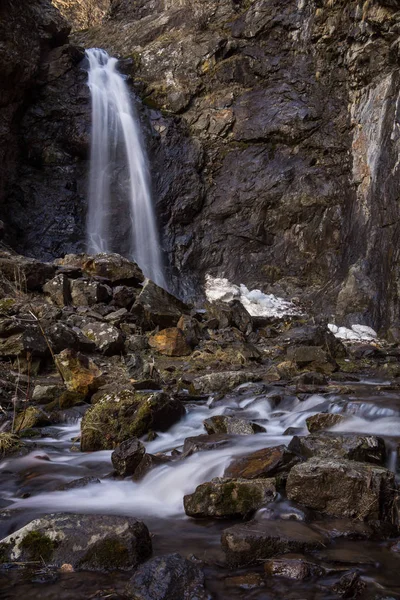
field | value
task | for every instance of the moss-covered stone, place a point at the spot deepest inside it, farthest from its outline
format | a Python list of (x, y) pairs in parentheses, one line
[(38, 546), (108, 423), (31, 417), (225, 498), (8, 443), (6, 305), (109, 554)]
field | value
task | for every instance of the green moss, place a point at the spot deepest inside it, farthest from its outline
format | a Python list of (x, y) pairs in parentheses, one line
[(8, 443), (38, 546), (6, 304), (4, 553), (109, 554)]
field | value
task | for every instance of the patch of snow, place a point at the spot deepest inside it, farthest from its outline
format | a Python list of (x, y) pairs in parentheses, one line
[(358, 333), (255, 302)]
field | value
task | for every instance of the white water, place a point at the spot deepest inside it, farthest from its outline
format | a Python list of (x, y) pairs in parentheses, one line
[(161, 491), (117, 151)]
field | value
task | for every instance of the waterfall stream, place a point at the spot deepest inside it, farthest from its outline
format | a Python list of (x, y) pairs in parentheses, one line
[(120, 214)]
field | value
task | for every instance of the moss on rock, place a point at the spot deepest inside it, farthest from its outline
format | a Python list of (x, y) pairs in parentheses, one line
[(38, 546)]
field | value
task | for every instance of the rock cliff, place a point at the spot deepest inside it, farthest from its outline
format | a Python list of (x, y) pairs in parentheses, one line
[(273, 133)]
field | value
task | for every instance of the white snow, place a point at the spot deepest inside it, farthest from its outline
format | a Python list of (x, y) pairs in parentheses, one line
[(358, 333), (255, 302)]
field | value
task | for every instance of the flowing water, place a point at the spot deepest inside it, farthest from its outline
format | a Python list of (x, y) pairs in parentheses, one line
[(28, 488), (120, 213)]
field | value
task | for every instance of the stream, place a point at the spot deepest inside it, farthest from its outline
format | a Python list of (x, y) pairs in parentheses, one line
[(29, 487)]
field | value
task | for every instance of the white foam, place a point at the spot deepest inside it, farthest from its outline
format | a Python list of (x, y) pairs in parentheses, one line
[(255, 302)]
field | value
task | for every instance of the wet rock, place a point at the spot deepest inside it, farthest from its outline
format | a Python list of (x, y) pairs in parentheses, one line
[(87, 542), (345, 488), (87, 293), (149, 462), (168, 577), (109, 423), (202, 443), (248, 581), (344, 528), (156, 307), (229, 497), (222, 382), (262, 463), (127, 456), (292, 566), (79, 483), (361, 448), (322, 421), (312, 378), (58, 290), (108, 339), (170, 342), (231, 425), (79, 372), (259, 540), (350, 586)]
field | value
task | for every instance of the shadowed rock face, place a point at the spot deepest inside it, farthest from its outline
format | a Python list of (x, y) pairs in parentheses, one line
[(273, 137)]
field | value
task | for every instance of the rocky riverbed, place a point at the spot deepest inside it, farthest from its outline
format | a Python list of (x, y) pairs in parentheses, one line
[(155, 450)]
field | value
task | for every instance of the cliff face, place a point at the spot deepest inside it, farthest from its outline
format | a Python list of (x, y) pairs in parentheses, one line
[(273, 134)]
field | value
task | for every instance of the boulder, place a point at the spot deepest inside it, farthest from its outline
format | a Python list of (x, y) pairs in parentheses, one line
[(262, 463), (86, 542), (24, 274), (78, 483), (79, 372), (113, 267), (231, 425), (312, 357), (127, 457), (156, 307), (31, 417), (108, 339), (322, 421), (259, 540), (149, 462), (58, 290), (232, 314), (109, 423), (222, 382), (170, 342), (314, 335), (363, 448), (201, 443), (229, 498), (343, 488), (31, 341), (61, 337), (168, 577), (124, 296), (43, 394), (85, 292), (191, 329), (292, 566)]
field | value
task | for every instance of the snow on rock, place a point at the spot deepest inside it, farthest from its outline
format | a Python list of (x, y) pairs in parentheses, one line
[(357, 333), (255, 302)]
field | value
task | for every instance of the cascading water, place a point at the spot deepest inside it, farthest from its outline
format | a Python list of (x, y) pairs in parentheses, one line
[(120, 216)]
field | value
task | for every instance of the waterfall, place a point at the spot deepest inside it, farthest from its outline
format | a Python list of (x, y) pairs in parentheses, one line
[(120, 213)]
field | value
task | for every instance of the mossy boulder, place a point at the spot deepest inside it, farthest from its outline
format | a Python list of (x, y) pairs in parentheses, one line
[(232, 425), (222, 382), (108, 423), (9, 443), (108, 339), (228, 498), (31, 417), (87, 542)]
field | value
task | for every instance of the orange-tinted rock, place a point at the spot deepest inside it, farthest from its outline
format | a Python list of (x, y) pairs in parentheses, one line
[(170, 342), (263, 463), (79, 372)]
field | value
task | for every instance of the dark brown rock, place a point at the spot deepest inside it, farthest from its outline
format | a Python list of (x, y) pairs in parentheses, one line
[(262, 463), (259, 540), (353, 447), (322, 421), (127, 457), (343, 488)]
